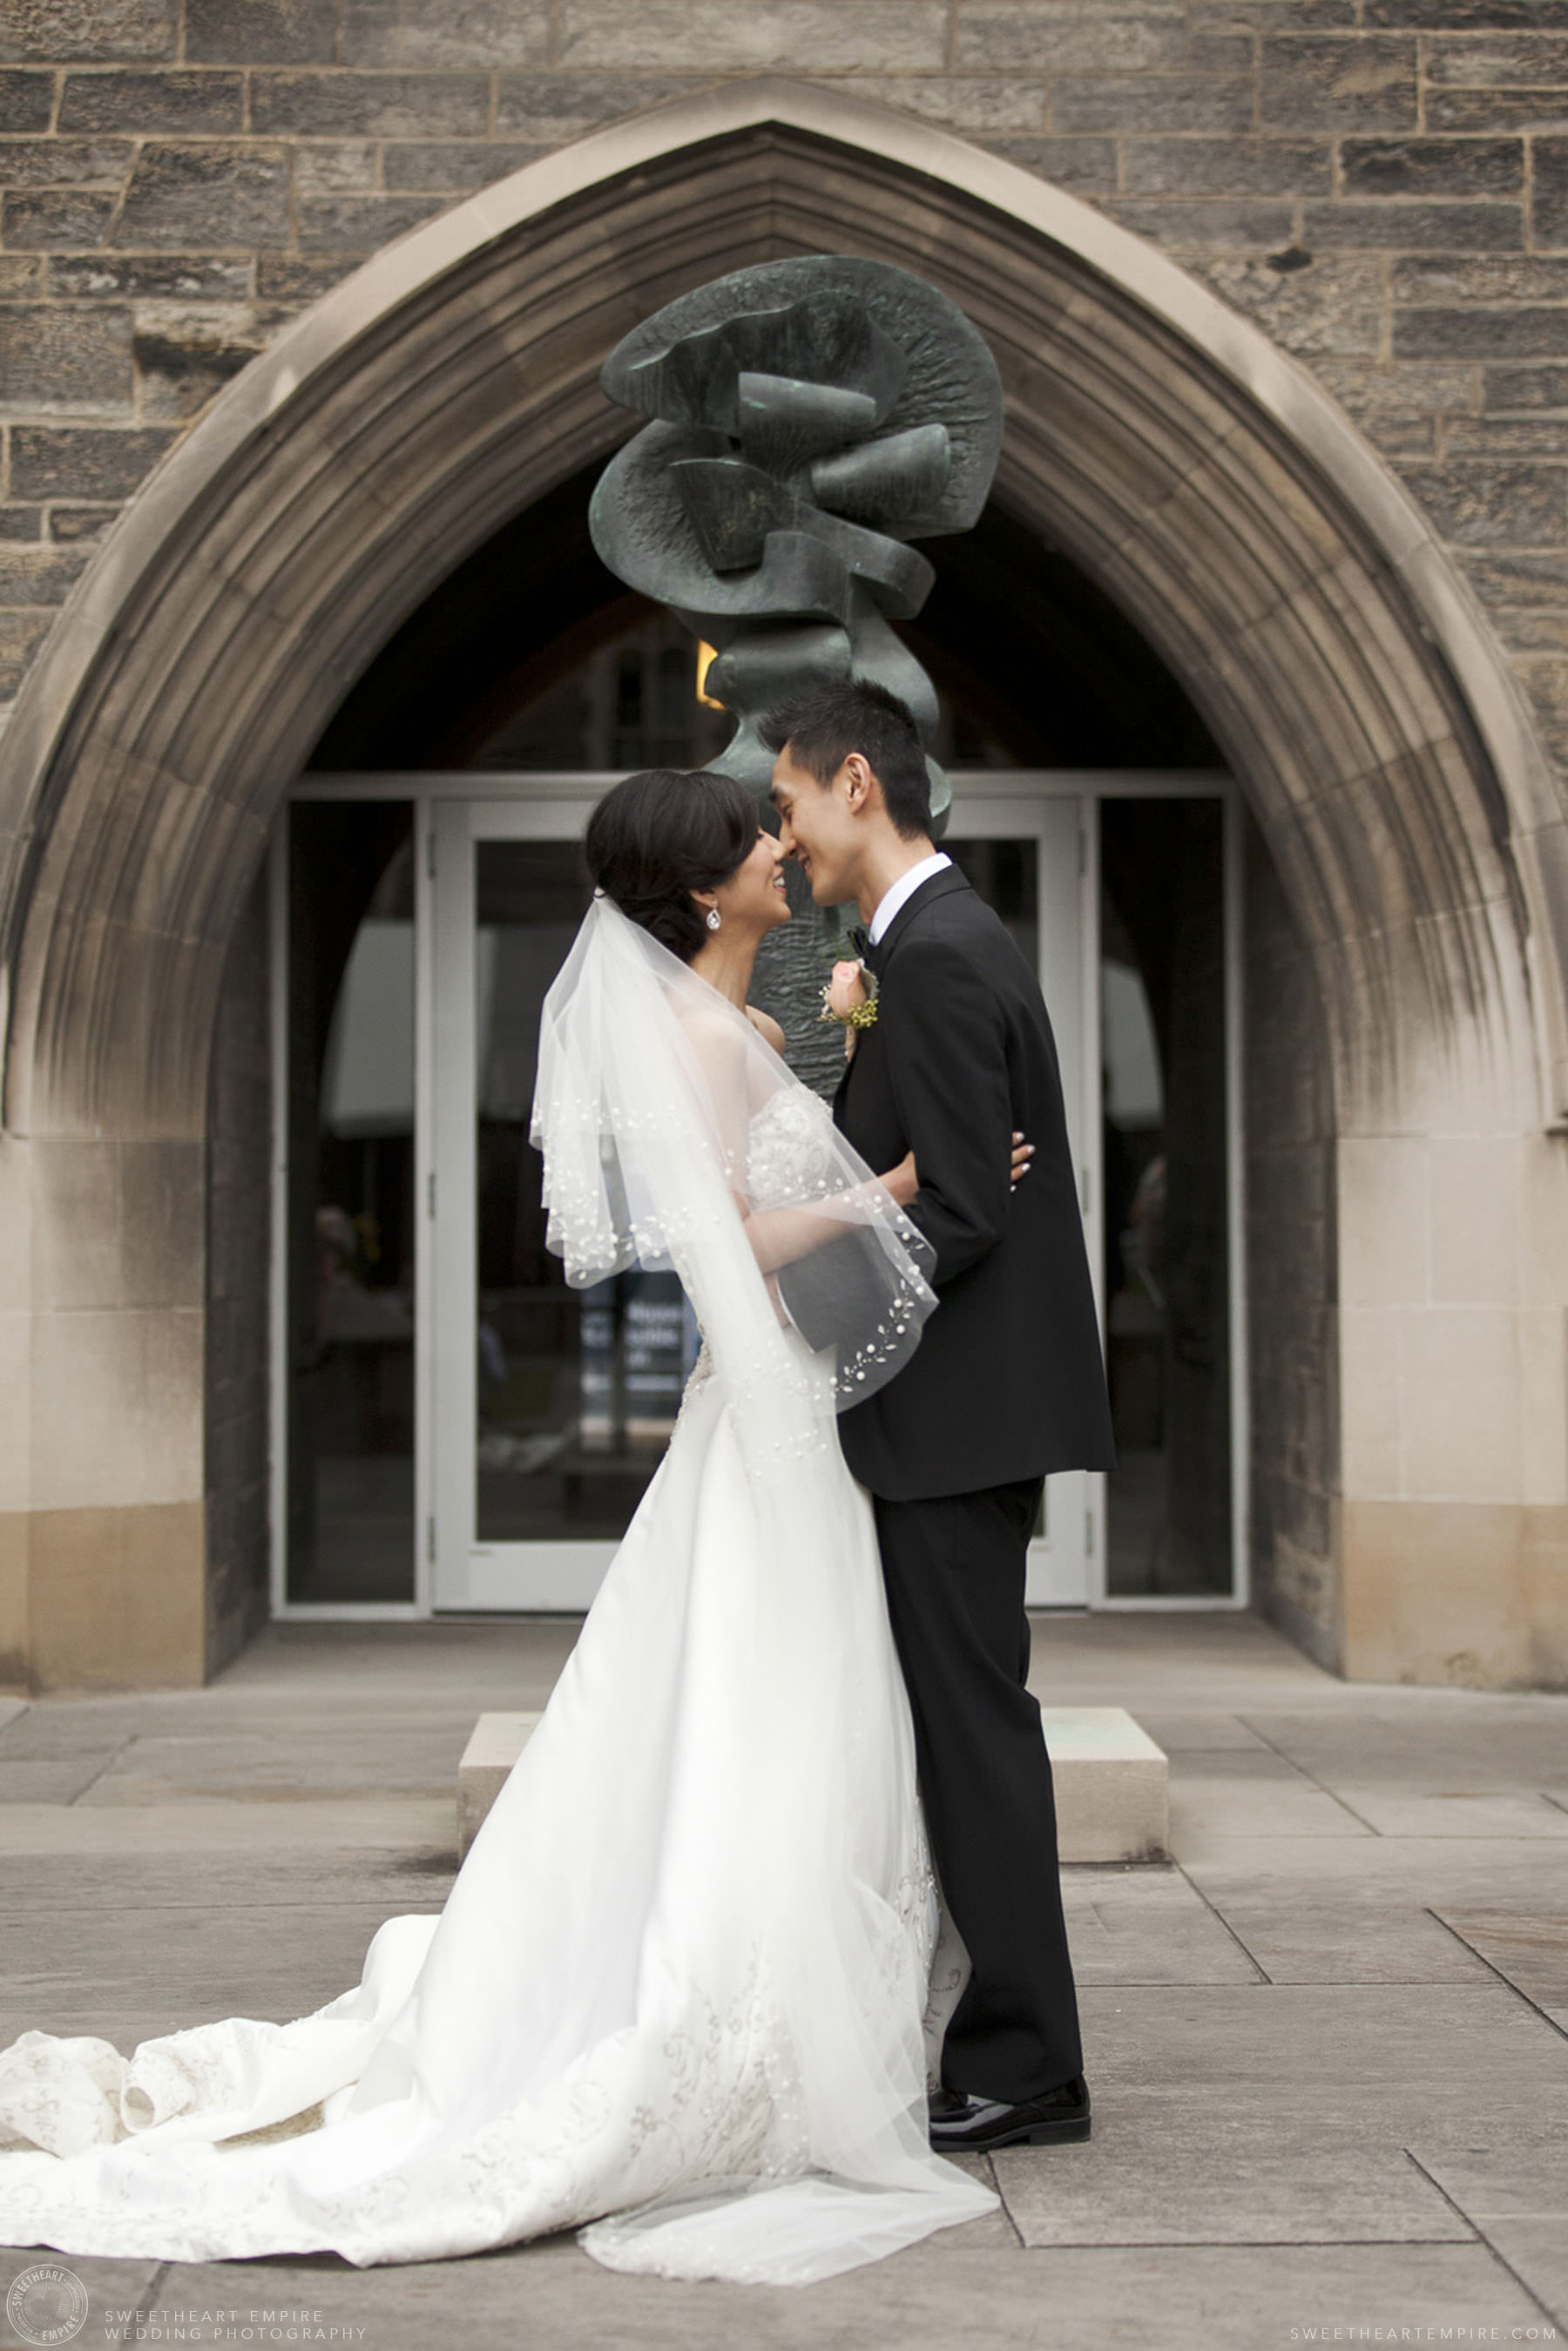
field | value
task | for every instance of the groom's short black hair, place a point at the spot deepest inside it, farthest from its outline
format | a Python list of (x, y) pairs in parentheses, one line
[(823, 725)]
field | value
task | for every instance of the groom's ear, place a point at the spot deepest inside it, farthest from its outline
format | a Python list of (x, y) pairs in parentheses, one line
[(859, 781)]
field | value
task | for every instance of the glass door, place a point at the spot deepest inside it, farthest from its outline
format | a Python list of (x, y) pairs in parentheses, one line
[(551, 1407), (1028, 857)]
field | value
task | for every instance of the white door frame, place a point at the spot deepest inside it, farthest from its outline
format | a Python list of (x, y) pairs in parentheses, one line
[(453, 809)]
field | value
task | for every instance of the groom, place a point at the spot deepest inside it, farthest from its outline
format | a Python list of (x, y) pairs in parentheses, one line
[(1005, 1385)]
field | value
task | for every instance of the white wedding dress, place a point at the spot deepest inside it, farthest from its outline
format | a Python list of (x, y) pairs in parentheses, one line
[(686, 1985)]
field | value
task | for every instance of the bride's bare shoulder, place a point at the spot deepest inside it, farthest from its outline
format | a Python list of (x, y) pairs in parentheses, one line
[(766, 1024)]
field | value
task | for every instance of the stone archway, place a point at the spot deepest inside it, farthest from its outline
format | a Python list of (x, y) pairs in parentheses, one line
[(1195, 471)]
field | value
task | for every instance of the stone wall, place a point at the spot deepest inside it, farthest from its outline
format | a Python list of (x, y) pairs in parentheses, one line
[(239, 1213), (1291, 1283), (1382, 184)]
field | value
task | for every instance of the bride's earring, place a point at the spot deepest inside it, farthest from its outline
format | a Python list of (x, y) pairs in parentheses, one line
[(714, 918)]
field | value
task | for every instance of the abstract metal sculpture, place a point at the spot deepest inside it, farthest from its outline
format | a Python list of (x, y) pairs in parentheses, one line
[(809, 418)]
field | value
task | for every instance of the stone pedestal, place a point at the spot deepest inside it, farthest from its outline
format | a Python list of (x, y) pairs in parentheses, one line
[(1111, 1800)]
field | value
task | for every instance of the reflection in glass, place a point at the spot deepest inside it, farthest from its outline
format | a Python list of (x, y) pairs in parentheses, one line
[(576, 1390), (1167, 1276), (351, 1303)]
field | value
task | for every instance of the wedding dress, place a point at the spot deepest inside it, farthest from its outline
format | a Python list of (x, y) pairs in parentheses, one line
[(687, 1988)]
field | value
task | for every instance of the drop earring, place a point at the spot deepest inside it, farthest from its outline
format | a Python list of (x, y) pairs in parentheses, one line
[(714, 918)]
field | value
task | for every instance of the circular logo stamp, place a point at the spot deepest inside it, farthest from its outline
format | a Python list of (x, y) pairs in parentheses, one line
[(47, 2303)]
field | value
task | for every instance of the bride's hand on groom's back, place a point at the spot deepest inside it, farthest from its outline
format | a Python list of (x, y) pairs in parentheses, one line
[(903, 1181)]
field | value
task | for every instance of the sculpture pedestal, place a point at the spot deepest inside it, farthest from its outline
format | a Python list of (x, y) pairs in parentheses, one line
[(1111, 1800)]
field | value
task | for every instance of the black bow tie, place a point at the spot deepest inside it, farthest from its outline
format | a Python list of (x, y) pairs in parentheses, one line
[(860, 939)]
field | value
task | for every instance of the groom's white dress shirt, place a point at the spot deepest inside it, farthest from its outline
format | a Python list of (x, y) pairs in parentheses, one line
[(888, 904)]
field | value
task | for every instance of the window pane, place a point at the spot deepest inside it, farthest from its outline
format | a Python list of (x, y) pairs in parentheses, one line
[(576, 1390), (351, 1303)]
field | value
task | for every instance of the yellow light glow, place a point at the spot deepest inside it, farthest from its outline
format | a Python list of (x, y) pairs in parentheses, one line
[(705, 657)]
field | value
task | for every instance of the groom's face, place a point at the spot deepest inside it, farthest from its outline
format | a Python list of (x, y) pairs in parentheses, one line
[(817, 828)]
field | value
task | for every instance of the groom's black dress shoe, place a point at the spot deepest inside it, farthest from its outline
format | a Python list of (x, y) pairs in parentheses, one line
[(961, 2122)]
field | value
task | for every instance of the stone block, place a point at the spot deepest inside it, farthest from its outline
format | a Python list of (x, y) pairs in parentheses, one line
[(59, 32), (1332, 308), (20, 276), (58, 220), (1067, 37), (1464, 16), (1497, 110), (1277, 16), (550, 107), (371, 105), (82, 463), (1440, 227), (1479, 505), (1524, 577), (1313, 81), (117, 1597), (357, 223), (1549, 207), (72, 526), (336, 167), (64, 162), (1228, 167), (493, 1746), (26, 100), (40, 576), (451, 167), (19, 524), (445, 33), (1110, 1778), (1517, 59), (21, 634), (205, 194), (1524, 387), (1431, 167), (1089, 164), (1157, 102), (1111, 1782), (184, 357), (968, 101), (287, 278), (1479, 277), (64, 362), (144, 103), (1480, 334), (151, 276), (711, 37), (261, 32), (1219, 220)]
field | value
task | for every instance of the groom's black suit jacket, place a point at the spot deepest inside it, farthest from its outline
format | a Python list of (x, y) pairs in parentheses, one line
[(1008, 1382)]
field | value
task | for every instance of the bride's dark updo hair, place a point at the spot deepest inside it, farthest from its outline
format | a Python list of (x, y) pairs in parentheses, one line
[(658, 836)]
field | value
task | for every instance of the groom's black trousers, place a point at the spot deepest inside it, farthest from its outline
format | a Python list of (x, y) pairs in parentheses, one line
[(953, 1568)]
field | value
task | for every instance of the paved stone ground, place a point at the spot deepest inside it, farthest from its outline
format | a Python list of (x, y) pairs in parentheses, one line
[(1328, 2044)]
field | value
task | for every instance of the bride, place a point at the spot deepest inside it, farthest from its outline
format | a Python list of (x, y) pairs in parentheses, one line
[(685, 1984)]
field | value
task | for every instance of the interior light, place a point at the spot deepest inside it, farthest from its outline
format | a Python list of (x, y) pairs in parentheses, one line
[(704, 657)]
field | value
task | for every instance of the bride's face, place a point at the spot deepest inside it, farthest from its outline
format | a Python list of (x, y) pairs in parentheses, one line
[(752, 898)]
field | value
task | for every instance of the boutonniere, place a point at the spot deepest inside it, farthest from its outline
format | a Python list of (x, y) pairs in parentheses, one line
[(850, 996)]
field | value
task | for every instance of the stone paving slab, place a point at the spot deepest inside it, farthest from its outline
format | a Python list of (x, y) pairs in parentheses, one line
[(279, 1880), (219, 1962), (1391, 2082), (1280, 2112), (1241, 1792), (949, 2295), (1527, 1946), (1148, 1926), (1516, 2197), (227, 1823)]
